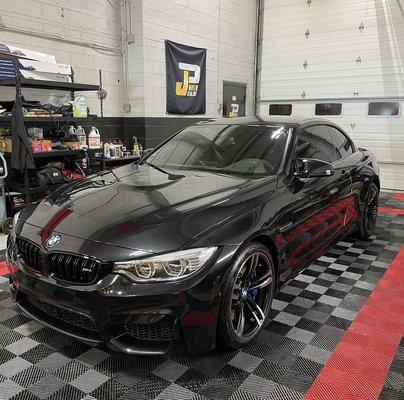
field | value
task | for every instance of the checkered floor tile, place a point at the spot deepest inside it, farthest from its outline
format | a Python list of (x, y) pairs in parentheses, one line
[(309, 317)]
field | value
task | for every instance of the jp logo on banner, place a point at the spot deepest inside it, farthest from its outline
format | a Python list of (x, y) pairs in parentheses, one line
[(186, 79)]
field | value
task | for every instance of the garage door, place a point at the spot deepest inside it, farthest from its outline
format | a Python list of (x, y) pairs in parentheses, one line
[(341, 60)]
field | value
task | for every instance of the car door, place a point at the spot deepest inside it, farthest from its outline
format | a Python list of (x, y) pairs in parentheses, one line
[(318, 207), (345, 167)]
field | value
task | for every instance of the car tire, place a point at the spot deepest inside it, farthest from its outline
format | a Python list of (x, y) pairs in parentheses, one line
[(7, 225), (369, 213), (246, 296)]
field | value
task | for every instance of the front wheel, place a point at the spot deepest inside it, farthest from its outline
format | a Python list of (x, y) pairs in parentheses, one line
[(247, 296), (369, 214)]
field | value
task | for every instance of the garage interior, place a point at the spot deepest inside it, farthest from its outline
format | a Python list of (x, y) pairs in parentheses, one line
[(336, 330)]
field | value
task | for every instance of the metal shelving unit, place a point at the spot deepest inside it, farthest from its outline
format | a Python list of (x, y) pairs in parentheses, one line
[(21, 82), (113, 162), (50, 85), (7, 118), (53, 154)]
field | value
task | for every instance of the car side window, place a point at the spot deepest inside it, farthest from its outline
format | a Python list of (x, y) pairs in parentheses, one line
[(315, 142), (341, 142)]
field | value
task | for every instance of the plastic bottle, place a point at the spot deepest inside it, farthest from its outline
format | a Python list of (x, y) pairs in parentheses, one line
[(94, 138), (85, 162), (120, 145), (81, 134), (79, 107), (136, 147), (72, 131), (107, 153), (111, 149)]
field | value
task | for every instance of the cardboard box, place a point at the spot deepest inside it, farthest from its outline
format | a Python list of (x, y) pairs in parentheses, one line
[(35, 70), (72, 145), (27, 54), (38, 66), (36, 146), (6, 145), (43, 76), (32, 65), (7, 69), (46, 145)]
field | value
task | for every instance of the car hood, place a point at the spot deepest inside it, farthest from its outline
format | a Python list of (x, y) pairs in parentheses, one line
[(144, 207)]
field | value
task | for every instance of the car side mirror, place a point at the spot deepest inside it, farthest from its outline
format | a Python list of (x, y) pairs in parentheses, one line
[(312, 168)]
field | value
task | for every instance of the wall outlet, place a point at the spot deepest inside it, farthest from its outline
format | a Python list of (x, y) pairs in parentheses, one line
[(131, 38), (127, 107)]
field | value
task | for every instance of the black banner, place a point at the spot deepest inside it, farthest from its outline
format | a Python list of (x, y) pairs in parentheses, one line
[(186, 79)]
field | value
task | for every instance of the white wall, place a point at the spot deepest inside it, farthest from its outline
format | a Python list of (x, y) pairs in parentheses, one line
[(136, 65), (225, 27), (331, 50), (94, 21)]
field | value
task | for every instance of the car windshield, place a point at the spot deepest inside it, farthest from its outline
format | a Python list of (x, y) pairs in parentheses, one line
[(231, 149)]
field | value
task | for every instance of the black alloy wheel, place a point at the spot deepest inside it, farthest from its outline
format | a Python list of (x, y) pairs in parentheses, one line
[(370, 211), (247, 296)]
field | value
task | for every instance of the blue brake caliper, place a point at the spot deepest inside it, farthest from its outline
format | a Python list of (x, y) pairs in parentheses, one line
[(255, 291)]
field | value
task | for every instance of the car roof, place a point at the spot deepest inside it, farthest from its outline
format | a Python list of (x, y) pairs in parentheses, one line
[(278, 120)]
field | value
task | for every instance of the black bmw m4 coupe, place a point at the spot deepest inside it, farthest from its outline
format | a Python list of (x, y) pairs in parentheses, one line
[(186, 248)]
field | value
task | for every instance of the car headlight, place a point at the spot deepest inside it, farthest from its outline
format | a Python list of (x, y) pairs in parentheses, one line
[(15, 220), (166, 267)]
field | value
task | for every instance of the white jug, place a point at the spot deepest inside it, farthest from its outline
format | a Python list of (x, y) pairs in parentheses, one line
[(94, 138), (81, 134), (79, 105)]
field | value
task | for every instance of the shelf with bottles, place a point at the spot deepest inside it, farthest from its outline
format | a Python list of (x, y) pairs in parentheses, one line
[(53, 154), (116, 149), (118, 160), (52, 119)]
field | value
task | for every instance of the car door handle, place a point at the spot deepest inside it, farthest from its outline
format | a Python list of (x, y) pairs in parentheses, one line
[(286, 227)]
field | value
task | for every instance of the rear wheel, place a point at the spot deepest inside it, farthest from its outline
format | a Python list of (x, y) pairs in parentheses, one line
[(247, 296), (369, 215)]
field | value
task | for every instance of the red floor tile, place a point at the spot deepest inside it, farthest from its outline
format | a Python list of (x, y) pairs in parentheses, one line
[(387, 210), (362, 359)]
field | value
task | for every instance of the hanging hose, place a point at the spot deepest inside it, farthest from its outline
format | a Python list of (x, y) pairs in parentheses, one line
[(5, 222), (3, 160)]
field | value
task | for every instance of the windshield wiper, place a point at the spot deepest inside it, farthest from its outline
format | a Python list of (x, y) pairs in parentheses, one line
[(171, 176), (156, 167)]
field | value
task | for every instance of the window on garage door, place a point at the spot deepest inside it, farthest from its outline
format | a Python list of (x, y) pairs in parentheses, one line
[(316, 142), (328, 109), (384, 108), (342, 143), (280, 109)]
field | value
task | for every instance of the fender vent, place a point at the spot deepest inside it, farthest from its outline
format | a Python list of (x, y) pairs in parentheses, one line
[(63, 314)]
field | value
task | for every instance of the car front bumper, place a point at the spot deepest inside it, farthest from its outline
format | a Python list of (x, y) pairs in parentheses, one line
[(129, 317)]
